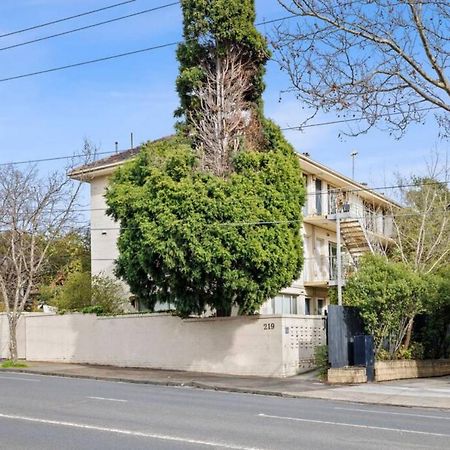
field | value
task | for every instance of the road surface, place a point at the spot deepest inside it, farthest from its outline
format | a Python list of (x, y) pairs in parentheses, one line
[(43, 412)]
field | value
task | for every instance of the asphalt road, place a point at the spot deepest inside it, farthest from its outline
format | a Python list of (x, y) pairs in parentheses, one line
[(39, 412)]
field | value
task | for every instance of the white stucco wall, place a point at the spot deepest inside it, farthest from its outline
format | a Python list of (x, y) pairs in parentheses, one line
[(263, 346), (104, 231)]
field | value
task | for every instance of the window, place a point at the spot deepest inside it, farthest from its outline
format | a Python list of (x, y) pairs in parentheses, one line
[(318, 196), (332, 200), (332, 252), (284, 304), (305, 206), (307, 306), (321, 269), (320, 306)]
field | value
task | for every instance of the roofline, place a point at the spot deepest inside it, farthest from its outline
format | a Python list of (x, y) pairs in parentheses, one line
[(107, 169), (354, 184)]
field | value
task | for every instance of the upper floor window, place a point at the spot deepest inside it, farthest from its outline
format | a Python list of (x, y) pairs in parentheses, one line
[(332, 199), (305, 205), (318, 196)]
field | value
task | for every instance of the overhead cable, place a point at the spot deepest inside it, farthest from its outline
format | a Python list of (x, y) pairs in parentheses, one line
[(52, 22), (74, 30)]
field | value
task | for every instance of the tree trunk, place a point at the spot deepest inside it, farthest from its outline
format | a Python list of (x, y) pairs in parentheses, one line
[(408, 335), (12, 322)]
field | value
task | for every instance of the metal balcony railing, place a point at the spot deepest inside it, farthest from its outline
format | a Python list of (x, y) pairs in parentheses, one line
[(324, 268)]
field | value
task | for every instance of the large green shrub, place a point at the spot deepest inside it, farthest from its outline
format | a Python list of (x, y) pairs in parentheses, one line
[(389, 296), (196, 240)]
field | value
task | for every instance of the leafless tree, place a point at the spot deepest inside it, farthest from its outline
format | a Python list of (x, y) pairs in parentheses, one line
[(223, 116), (34, 212), (384, 61), (422, 226)]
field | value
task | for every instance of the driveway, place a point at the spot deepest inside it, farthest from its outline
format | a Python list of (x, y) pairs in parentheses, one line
[(421, 392)]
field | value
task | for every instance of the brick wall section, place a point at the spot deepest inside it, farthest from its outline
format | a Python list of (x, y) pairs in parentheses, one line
[(347, 375), (397, 370)]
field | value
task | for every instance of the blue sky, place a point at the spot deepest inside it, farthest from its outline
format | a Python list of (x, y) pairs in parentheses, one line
[(49, 115)]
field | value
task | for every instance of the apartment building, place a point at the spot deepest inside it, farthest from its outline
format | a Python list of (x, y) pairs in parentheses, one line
[(366, 226)]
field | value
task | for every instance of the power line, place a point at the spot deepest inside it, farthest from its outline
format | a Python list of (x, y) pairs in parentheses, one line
[(83, 63), (74, 30), (54, 158), (319, 193), (346, 190), (353, 119), (34, 27), (120, 55), (255, 223)]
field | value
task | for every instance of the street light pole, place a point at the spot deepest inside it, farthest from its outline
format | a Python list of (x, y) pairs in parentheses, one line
[(339, 257), (353, 155)]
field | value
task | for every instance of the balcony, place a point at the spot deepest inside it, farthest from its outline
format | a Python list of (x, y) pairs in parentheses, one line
[(321, 271)]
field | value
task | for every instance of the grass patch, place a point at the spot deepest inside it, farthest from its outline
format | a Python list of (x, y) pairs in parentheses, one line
[(9, 363)]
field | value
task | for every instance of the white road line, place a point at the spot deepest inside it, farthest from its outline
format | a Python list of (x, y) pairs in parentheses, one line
[(109, 399), (162, 437), (393, 413), (19, 379), (354, 425)]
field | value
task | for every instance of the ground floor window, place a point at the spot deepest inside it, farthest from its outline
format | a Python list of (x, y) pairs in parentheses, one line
[(284, 304), (307, 306), (320, 306)]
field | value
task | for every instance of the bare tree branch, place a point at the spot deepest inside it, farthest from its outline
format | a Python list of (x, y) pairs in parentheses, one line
[(379, 59), (224, 116)]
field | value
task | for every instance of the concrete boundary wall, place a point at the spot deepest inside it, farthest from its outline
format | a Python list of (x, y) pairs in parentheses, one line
[(274, 346), (4, 337)]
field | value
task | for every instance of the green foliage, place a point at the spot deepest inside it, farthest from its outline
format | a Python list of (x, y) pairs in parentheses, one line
[(433, 330), (181, 240), (321, 360), (210, 28), (74, 295), (81, 293), (388, 295), (193, 239), (107, 295), (95, 309), (9, 364)]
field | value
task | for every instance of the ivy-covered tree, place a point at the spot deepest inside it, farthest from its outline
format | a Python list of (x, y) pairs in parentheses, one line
[(222, 64), (211, 217)]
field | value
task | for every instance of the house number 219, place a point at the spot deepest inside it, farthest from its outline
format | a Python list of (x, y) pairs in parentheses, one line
[(269, 326)]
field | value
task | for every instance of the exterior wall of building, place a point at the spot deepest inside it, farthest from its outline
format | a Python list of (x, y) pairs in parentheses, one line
[(274, 346), (104, 232)]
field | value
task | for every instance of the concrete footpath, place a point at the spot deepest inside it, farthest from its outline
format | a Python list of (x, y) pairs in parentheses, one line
[(425, 392)]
